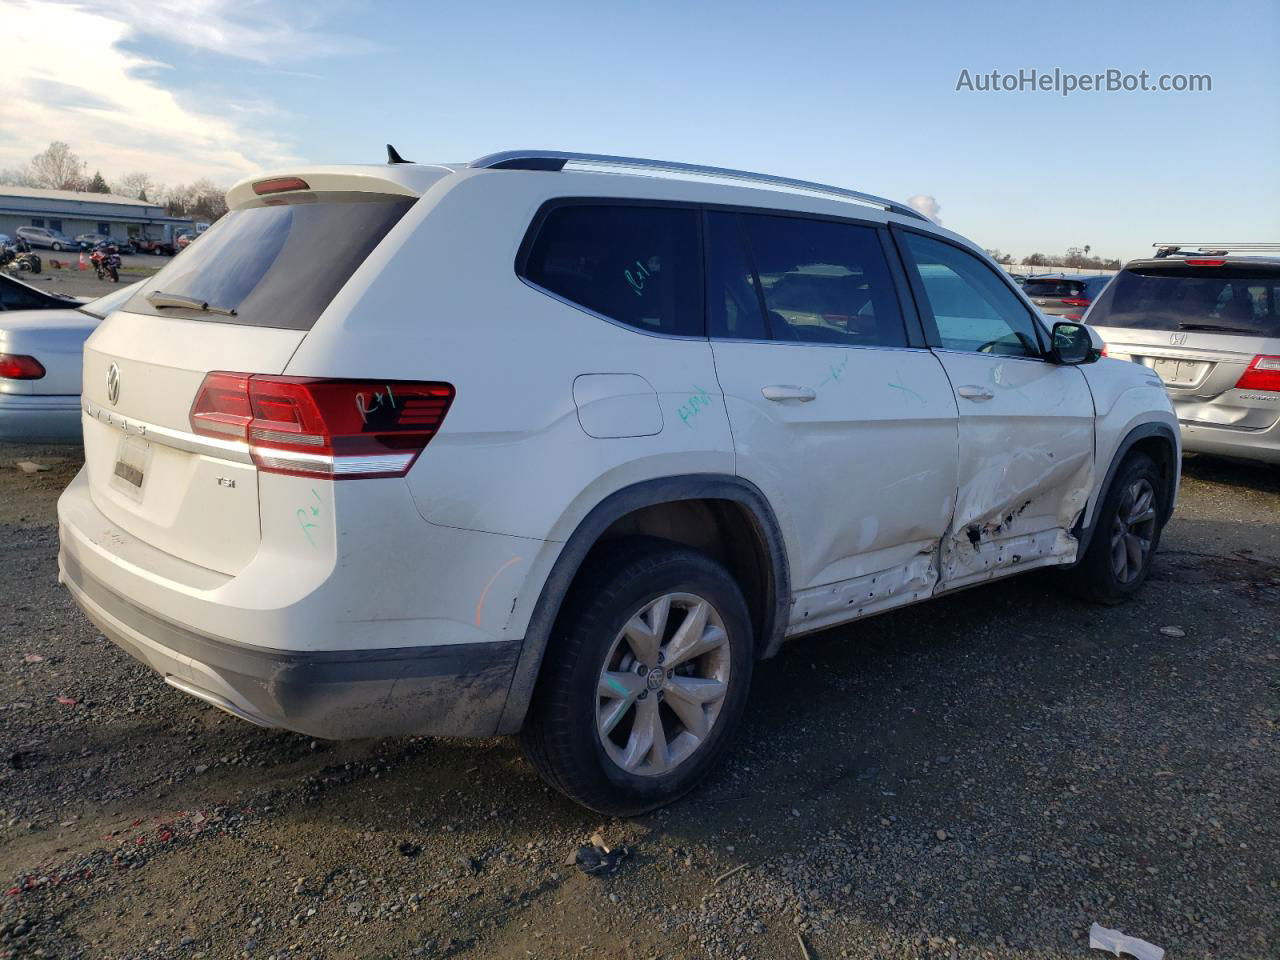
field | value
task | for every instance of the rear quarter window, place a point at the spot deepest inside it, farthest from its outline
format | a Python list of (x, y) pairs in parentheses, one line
[(637, 265), (278, 265)]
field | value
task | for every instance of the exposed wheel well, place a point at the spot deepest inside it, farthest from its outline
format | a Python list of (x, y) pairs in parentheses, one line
[(724, 530), (1161, 451)]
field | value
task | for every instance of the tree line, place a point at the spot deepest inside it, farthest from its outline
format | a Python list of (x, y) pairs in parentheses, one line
[(58, 167), (1077, 257)]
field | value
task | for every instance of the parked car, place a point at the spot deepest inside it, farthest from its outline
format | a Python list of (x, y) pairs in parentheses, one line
[(88, 241), (40, 367), (1066, 295), (488, 462), (183, 238), (154, 245), (1208, 322), (46, 239)]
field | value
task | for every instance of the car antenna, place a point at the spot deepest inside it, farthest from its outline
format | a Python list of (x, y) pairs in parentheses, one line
[(393, 155)]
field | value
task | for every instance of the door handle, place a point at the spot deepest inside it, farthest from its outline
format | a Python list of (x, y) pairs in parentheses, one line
[(781, 392), (970, 392)]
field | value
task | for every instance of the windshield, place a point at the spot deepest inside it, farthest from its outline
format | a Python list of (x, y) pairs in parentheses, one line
[(274, 266), (1234, 298)]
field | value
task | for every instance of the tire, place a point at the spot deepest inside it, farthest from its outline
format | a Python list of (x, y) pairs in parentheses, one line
[(57, 248), (589, 745), (115, 275), (1119, 556)]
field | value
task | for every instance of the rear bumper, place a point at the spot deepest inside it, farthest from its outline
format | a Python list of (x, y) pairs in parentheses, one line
[(36, 417), (360, 650), (457, 689), (1261, 445)]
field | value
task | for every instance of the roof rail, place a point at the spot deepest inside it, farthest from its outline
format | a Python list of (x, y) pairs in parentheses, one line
[(1218, 249), (553, 160)]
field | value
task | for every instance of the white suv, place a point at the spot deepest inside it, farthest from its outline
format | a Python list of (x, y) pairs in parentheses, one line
[(561, 444)]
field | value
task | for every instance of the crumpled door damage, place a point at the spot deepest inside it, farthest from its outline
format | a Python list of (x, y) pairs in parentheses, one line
[(1017, 509)]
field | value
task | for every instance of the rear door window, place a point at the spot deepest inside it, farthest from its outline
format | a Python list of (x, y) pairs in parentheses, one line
[(824, 281), (1230, 299), (637, 265), (278, 265)]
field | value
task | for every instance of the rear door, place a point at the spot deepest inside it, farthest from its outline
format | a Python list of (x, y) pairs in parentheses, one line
[(1026, 425), (846, 424), (1200, 324), (241, 300)]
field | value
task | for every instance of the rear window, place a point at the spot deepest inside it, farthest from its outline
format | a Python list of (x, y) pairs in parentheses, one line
[(637, 265), (1053, 288), (276, 266), (1232, 299)]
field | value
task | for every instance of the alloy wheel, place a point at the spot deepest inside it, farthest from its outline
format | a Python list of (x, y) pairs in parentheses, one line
[(1133, 530), (663, 684)]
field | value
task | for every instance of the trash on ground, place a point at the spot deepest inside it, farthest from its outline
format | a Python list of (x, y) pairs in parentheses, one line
[(28, 466), (67, 701), (1113, 941), (32, 658), (597, 859), (1173, 631)]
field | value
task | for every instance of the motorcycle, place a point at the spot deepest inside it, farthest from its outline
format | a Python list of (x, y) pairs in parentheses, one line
[(106, 262), (19, 257)]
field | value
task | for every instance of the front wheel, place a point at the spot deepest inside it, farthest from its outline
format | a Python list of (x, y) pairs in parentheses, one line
[(1126, 533), (646, 681), (115, 275)]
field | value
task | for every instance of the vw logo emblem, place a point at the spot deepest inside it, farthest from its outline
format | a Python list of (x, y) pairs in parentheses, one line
[(113, 383), (1177, 339), (656, 678)]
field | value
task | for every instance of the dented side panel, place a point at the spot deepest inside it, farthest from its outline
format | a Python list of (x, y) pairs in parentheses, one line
[(1026, 463)]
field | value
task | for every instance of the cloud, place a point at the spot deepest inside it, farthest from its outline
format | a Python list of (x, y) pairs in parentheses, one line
[(70, 73), (259, 30), (926, 204)]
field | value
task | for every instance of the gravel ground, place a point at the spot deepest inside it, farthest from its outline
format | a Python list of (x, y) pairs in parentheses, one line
[(982, 776)]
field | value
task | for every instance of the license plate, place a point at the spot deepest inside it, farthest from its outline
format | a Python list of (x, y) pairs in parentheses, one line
[(1179, 372), (130, 471)]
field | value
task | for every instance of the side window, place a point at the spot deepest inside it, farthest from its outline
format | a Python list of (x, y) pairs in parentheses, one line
[(972, 308), (733, 307), (641, 266), (824, 282)]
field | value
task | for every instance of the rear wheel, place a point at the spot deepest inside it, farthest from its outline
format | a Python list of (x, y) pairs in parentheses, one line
[(1126, 533), (646, 682)]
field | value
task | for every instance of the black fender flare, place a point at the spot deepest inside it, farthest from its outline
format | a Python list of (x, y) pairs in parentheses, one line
[(647, 493), (1084, 534)]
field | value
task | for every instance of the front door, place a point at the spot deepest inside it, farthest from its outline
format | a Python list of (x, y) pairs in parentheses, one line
[(1026, 424)]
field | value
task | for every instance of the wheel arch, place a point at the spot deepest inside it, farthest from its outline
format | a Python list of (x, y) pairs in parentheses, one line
[(635, 505), (1160, 442)]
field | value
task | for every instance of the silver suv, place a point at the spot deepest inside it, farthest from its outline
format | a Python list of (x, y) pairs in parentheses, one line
[(1206, 318)]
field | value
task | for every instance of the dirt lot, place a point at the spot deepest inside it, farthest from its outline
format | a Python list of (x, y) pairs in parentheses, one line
[(85, 283), (983, 776)]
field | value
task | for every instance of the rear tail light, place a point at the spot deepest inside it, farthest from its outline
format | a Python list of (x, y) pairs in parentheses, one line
[(1204, 263), (310, 427), (1076, 301), (15, 366), (1262, 374), (1072, 316)]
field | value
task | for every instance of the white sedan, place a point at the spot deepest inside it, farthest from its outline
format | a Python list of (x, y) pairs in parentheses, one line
[(41, 355)]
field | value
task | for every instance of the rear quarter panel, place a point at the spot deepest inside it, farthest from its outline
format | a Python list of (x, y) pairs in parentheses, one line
[(55, 338)]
